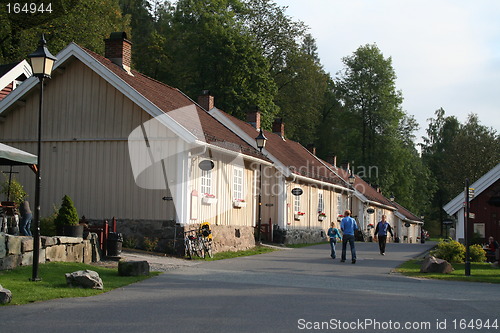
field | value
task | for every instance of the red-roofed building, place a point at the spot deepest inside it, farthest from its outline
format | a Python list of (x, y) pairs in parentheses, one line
[(122, 144)]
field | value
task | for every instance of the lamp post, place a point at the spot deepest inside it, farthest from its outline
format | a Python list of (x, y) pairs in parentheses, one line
[(261, 143), (42, 62)]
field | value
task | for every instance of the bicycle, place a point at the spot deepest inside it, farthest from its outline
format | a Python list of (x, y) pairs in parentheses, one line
[(205, 235), (193, 245)]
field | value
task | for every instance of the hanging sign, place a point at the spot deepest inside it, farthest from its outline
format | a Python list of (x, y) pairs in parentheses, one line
[(370, 210), (206, 165), (297, 191)]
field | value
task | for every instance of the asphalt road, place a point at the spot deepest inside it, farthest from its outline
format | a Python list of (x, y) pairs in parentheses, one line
[(297, 290)]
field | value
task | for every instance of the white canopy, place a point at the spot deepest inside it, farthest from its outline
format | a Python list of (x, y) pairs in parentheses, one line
[(13, 156)]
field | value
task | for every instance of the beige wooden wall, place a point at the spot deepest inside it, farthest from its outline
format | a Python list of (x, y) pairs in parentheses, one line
[(309, 205), (223, 212), (86, 124)]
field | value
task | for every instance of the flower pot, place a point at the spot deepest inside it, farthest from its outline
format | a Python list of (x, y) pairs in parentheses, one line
[(297, 217), (239, 204), (73, 230), (208, 200), (321, 218)]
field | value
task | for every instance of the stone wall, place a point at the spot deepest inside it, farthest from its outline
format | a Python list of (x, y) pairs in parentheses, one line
[(170, 236), (304, 236), (18, 250)]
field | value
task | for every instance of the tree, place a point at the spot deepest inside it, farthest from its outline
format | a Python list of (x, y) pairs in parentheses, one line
[(367, 89), (84, 22), (207, 46), (455, 151)]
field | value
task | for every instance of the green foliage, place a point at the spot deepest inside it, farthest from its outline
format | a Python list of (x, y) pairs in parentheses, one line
[(452, 251), (130, 242), (150, 244), (67, 214), (453, 152), (48, 225), (477, 253), (84, 22), (16, 191)]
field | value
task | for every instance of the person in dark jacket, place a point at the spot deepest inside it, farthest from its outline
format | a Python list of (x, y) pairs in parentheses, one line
[(26, 217), (383, 227)]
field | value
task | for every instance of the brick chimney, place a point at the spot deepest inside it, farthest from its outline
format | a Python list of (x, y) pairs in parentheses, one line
[(118, 49), (206, 101), (312, 148), (279, 127), (253, 117)]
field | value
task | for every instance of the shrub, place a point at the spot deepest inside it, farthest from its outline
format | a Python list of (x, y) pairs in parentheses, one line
[(47, 224), (16, 191), (451, 251), (477, 253), (150, 244), (67, 213), (130, 242)]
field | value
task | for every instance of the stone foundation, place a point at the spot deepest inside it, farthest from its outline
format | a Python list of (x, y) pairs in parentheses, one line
[(304, 236), (169, 236), (18, 250)]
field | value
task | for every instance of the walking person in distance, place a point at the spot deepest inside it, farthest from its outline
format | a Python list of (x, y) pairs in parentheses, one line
[(333, 233), (348, 226), (383, 227)]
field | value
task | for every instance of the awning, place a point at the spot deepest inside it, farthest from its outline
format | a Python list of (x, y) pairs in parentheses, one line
[(13, 156)]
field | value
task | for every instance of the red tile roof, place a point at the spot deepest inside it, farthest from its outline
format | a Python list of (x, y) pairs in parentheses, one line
[(169, 99), (292, 154)]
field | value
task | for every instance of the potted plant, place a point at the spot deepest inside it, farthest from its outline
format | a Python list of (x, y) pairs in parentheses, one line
[(208, 199), (321, 216), (67, 220), (298, 216), (239, 203)]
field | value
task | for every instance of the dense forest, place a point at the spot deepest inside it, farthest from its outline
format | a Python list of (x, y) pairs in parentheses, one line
[(250, 53)]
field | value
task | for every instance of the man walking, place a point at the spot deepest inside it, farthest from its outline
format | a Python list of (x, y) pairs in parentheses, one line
[(348, 226), (383, 227)]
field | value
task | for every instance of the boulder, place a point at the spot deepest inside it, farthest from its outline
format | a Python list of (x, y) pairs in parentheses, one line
[(5, 295), (435, 265), (133, 268), (84, 279)]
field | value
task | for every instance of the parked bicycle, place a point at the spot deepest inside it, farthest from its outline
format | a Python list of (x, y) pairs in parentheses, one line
[(193, 244)]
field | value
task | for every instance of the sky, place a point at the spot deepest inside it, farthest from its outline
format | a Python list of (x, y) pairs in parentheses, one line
[(446, 53)]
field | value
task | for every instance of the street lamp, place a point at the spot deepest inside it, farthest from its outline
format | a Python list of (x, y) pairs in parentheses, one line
[(42, 62), (392, 198), (261, 143)]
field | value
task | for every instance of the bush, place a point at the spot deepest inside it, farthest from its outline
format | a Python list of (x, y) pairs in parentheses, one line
[(47, 225), (16, 191), (451, 251), (67, 213), (130, 242), (477, 253), (150, 244)]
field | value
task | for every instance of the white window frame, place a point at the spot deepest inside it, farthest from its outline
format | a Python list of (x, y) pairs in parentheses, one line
[(296, 203), (321, 203), (340, 200), (238, 183), (206, 182)]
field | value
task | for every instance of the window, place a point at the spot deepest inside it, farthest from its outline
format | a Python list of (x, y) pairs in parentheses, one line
[(339, 204), (296, 203), (321, 204), (238, 184), (206, 182)]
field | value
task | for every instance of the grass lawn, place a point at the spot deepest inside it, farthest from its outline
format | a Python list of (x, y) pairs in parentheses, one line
[(53, 284), (232, 254), (480, 272)]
